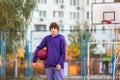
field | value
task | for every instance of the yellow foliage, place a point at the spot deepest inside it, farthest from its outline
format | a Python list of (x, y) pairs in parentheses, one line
[(109, 52), (72, 52), (117, 48), (0, 57), (1, 8), (20, 53), (73, 69)]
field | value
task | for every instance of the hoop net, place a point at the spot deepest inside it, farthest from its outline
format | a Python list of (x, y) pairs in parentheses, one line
[(106, 22)]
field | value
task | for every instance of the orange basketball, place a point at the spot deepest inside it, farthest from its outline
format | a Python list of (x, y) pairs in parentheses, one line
[(42, 54)]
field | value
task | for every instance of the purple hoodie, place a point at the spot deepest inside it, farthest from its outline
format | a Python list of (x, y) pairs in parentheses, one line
[(56, 50)]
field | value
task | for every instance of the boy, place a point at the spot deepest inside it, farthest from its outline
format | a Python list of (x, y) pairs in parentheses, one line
[(56, 53)]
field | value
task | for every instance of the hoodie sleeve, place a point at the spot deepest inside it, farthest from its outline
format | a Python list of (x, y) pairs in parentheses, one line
[(63, 51), (40, 46)]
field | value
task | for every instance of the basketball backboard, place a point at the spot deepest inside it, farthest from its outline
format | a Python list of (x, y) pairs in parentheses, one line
[(105, 11)]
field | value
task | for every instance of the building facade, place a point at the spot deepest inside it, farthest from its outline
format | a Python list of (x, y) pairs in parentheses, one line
[(65, 12), (68, 14)]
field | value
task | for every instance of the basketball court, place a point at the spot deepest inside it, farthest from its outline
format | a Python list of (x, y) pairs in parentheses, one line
[(103, 14)]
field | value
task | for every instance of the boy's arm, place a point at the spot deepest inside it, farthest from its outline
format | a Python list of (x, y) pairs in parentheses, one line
[(63, 51), (40, 46)]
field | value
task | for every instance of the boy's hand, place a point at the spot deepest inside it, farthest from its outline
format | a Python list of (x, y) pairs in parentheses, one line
[(34, 65), (58, 67)]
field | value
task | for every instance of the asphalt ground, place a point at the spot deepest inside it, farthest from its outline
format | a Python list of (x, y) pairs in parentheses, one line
[(43, 77)]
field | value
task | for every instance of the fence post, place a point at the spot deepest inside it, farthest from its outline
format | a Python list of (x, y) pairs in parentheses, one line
[(3, 51), (3, 58), (82, 59), (112, 60), (28, 60)]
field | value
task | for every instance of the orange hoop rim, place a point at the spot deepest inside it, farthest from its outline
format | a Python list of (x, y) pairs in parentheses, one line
[(106, 21)]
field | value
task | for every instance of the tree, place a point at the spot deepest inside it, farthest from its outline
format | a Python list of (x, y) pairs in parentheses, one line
[(14, 18), (76, 37)]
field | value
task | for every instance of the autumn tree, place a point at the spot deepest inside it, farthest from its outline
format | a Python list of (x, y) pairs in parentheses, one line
[(14, 18), (76, 37)]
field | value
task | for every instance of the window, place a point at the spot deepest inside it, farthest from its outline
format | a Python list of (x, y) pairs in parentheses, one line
[(72, 28), (74, 2), (77, 2), (38, 1), (94, 1), (103, 1), (91, 28), (42, 1), (74, 15), (88, 2), (42, 13), (39, 27), (61, 28), (103, 43), (103, 29), (58, 14), (94, 29), (59, 1), (87, 15), (78, 15)]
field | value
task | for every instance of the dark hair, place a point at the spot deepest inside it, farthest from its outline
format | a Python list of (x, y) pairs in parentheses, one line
[(55, 25)]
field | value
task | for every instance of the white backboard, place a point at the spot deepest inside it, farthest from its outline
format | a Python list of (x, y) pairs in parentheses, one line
[(105, 11)]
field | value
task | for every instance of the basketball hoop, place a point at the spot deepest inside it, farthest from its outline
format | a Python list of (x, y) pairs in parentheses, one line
[(106, 21)]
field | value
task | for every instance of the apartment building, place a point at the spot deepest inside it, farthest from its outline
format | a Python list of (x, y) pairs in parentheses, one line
[(65, 12), (68, 14)]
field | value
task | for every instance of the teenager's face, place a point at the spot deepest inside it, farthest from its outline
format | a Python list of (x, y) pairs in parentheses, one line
[(54, 31)]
